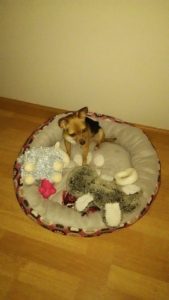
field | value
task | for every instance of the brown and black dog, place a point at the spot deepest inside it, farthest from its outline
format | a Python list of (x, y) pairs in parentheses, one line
[(78, 128)]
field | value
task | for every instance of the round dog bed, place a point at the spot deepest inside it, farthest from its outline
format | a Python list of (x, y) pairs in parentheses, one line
[(58, 213)]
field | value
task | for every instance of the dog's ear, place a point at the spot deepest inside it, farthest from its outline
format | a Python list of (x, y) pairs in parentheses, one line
[(62, 123), (82, 113)]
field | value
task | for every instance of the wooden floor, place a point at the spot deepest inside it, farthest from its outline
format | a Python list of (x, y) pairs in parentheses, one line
[(35, 263)]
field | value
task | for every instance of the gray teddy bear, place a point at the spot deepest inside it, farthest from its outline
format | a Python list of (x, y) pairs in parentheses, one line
[(93, 191)]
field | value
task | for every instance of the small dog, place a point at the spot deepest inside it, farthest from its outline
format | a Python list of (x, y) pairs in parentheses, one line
[(78, 128)]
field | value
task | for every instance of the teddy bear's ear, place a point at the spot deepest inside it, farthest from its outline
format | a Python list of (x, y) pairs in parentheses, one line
[(82, 113), (62, 122), (57, 145)]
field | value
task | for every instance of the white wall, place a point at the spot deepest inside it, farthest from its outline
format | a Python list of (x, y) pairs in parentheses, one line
[(112, 55)]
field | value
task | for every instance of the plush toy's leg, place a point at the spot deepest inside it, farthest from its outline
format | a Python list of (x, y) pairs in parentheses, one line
[(112, 214), (99, 160), (131, 189), (83, 201)]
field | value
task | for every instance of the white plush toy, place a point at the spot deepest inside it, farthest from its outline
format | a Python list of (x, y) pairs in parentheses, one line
[(96, 158), (43, 163)]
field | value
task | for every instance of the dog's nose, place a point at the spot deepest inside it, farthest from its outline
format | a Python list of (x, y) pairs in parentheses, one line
[(82, 142)]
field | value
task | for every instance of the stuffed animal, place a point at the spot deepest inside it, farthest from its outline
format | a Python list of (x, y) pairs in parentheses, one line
[(43, 163), (93, 191)]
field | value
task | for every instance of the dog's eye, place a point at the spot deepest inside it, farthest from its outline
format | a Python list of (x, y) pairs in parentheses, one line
[(72, 134), (84, 130)]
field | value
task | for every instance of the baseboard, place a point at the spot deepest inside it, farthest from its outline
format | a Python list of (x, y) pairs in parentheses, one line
[(32, 108), (26, 107)]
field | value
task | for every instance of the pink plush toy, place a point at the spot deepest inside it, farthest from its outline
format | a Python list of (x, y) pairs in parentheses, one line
[(46, 188)]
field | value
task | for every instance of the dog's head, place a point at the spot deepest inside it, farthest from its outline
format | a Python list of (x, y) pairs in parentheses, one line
[(74, 127)]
